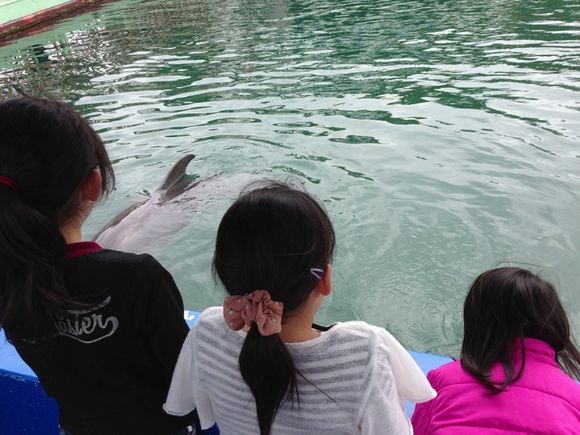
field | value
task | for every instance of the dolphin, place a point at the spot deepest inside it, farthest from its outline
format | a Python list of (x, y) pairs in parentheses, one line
[(169, 209)]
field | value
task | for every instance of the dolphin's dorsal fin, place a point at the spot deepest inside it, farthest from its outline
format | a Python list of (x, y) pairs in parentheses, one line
[(177, 172)]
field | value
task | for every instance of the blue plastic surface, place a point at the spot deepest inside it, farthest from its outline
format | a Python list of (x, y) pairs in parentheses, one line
[(24, 406)]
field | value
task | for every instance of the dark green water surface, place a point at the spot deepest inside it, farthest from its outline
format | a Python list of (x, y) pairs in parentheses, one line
[(442, 136)]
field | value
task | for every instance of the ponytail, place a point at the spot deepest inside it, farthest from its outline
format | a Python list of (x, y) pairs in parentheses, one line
[(31, 282), (47, 150), (268, 369)]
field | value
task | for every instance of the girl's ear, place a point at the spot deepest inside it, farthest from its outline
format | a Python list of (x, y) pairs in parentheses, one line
[(324, 286), (92, 186)]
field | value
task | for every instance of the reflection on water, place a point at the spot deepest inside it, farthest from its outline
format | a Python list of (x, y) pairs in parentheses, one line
[(442, 136)]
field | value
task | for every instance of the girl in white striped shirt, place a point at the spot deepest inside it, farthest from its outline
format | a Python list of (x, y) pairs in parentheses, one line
[(257, 365)]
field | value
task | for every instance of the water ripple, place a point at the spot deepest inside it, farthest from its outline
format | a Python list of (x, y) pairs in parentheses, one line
[(441, 136)]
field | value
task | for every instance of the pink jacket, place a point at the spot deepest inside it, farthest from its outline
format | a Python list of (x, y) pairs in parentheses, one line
[(543, 401)]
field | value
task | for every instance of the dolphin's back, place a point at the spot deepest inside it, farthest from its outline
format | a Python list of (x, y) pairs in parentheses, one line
[(145, 226), (174, 183)]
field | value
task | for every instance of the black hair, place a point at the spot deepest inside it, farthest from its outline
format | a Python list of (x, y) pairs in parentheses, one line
[(269, 239), (48, 150), (503, 306)]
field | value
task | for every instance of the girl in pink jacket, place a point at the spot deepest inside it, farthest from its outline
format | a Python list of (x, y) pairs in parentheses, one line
[(511, 378)]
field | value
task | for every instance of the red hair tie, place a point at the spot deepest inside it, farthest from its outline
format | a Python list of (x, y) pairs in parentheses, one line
[(7, 181), (256, 307)]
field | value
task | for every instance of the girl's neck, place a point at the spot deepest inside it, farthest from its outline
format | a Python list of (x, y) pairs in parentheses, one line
[(71, 233), (71, 228), (298, 328)]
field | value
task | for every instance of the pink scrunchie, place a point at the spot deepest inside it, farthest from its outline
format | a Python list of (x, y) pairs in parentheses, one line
[(258, 307)]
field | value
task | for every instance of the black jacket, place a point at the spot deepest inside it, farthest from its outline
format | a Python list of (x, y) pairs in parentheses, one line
[(109, 366)]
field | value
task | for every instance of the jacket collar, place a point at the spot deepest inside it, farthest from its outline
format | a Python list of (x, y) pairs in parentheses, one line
[(79, 249), (538, 350)]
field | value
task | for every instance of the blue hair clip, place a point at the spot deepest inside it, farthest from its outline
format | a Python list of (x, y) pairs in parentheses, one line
[(318, 273)]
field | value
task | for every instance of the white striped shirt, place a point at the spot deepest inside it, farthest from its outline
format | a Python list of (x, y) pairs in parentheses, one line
[(362, 368)]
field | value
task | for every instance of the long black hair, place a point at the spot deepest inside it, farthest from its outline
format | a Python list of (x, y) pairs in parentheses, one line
[(269, 239), (503, 306), (48, 150)]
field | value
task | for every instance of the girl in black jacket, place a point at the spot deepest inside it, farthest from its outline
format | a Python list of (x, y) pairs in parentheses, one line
[(102, 329)]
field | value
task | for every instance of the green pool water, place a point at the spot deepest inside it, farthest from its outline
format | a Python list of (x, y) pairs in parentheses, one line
[(442, 136)]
